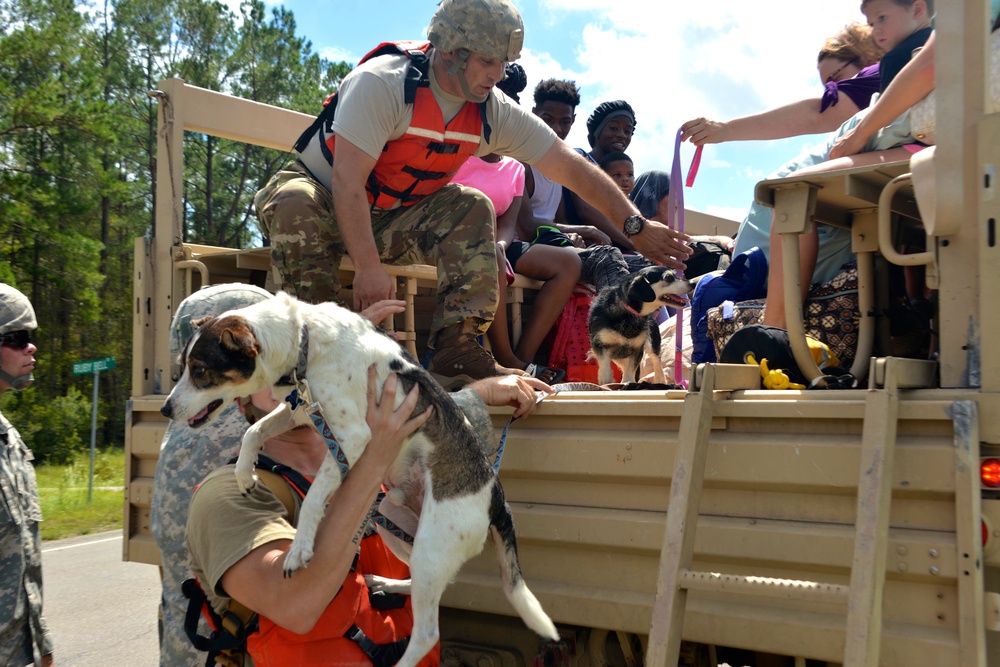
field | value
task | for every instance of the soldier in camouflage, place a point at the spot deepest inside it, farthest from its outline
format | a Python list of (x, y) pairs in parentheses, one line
[(186, 457), (24, 636), (387, 148)]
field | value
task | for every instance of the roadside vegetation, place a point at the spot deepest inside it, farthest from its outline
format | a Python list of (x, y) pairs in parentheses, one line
[(78, 141), (62, 489)]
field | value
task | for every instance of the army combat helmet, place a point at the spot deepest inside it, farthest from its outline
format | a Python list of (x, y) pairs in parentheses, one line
[(490, 27), (209, 301), (16, 314)]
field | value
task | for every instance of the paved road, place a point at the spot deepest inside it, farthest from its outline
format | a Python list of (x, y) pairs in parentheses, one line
[(101, 610)]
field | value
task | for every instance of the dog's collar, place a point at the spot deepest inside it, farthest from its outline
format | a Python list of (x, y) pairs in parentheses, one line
[(299, 372), (633, 310)]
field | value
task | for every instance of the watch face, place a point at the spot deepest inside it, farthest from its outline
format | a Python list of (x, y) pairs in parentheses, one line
[(633, 225)]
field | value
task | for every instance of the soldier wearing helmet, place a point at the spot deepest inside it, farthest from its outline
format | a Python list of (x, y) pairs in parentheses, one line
[(24, 636), (372, 179)]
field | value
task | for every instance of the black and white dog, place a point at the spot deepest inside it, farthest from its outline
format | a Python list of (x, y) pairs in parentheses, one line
[(244, 351), (622, 325)]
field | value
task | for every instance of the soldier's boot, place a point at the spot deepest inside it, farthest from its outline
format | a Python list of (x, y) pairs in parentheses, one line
[(459, 358)]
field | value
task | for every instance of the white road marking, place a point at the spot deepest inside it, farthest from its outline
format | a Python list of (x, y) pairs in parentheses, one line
[(81, 544)]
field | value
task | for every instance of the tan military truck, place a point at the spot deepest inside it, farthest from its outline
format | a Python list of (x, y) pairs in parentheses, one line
[(856, 527)]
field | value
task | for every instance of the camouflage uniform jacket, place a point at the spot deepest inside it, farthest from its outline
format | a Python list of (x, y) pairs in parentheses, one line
[(24, 635)]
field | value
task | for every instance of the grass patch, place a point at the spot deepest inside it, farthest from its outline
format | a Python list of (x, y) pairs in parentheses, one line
[(62, 490)]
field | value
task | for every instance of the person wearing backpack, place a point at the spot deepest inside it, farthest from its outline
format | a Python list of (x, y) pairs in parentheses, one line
[(325, 614), (372, 180)]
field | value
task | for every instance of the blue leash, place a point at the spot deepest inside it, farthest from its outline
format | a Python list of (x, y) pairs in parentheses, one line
[(503, 437)]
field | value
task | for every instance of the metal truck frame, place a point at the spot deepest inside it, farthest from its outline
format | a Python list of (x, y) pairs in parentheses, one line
[(845, 527)]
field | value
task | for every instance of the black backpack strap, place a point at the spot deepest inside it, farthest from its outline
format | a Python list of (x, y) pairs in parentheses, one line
[(295, 479), (325, 117), (381, 655), (226, 647), (487, 130), (416, 77)]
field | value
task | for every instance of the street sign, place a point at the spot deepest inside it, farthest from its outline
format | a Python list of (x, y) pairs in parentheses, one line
[(96, 365)]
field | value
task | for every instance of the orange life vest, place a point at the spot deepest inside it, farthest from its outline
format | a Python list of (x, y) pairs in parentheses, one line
[(424, 159), (333, 641), (357, 629)]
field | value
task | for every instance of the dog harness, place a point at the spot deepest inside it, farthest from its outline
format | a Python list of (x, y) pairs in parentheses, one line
[(424, 159), (357, 628), (303, 407)]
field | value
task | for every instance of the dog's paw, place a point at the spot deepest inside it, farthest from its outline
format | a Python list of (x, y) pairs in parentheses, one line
[(297, 557), (245, 477), (377, 584)]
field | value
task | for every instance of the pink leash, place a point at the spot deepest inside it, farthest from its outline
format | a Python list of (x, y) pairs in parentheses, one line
[(676, 222)]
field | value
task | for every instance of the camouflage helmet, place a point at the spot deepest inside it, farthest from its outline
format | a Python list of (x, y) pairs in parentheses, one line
[(491, 27), (208, 302), (16, 313)]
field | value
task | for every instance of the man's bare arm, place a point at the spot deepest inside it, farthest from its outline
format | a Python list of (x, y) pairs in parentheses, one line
[(350, 202), (656, 242), (295, 603)]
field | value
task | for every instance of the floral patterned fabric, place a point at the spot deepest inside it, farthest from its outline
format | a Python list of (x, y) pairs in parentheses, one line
[(831, 315)]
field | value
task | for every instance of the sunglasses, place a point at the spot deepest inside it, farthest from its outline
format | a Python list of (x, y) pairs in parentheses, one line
[(16, 339), (833, 77)]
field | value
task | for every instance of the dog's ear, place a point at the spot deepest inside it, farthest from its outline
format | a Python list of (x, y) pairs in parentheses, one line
[(239, 338), (197, 322), (641, 290)]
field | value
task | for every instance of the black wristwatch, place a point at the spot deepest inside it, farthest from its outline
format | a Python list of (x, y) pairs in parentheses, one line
[(634, 225)]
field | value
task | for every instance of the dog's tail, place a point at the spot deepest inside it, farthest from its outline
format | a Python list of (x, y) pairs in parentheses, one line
[(524, 601)]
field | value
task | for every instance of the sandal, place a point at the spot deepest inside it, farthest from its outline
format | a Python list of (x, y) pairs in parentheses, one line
[(545, 374)]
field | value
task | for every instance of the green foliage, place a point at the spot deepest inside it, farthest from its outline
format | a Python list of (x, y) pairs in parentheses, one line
[(62, 490), (77, 171), (55, 430)]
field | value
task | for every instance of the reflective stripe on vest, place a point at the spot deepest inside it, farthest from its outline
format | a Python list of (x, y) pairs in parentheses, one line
[(424, 159)]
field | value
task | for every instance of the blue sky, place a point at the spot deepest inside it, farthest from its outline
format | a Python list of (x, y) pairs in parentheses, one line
[(671, 61)]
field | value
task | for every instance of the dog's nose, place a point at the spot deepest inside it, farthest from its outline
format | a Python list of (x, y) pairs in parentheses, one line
[(166, 410)]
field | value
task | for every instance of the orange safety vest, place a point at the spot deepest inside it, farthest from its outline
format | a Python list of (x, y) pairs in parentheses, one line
[(424, 159), (355, 630), (328, 643)]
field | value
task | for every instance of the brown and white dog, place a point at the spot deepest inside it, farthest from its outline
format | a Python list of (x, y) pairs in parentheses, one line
[(244, 351), (622, 325)]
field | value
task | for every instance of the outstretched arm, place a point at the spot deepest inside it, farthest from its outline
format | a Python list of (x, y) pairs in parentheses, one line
[(791, 120), (656, 242), (912, 84)]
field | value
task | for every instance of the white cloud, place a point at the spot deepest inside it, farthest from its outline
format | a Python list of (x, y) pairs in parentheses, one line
[(677, 61), (336, 54)]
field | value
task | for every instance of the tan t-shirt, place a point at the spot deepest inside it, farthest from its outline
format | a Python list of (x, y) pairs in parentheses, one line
[(224, 526), (371, 112)]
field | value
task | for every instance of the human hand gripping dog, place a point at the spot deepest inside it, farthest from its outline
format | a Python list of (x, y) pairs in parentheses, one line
[(253, 349)]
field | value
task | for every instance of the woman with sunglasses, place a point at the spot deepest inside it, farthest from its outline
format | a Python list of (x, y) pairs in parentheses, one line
[(24, 636), (848, 67)]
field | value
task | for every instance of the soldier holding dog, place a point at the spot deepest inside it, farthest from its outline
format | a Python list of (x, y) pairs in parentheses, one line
[(324, 614), (386, 196)]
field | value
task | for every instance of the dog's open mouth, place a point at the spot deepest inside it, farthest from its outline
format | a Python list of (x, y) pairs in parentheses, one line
[(202, 416), (675, 300)]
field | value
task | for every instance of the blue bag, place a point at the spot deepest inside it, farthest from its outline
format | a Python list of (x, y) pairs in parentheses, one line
[(744, 279)]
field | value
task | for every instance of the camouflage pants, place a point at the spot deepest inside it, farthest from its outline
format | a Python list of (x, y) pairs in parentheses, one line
[(453, 230)]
